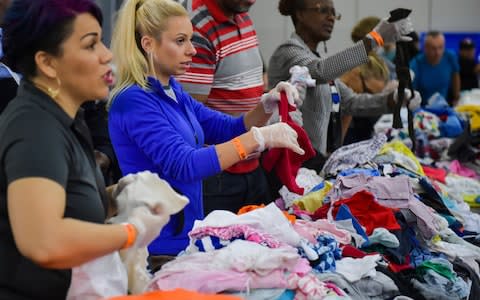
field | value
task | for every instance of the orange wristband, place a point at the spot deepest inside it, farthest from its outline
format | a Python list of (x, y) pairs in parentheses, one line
[(377, 37), (239, 147), (131, 235)]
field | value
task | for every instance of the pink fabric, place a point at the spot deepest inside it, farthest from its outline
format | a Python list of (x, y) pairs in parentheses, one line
[(297, 211), (311, 230), (239, 266), (307, 287), (457, 168), (215, 281), (335, 289), (235, 231)]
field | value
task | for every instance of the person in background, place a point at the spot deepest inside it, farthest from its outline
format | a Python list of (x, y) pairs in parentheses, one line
[(8, 79), (367, 78), (469, 65), (95, 115), (155, 125), (53, 204), (387, 51), (314, 21), (371, 78), (226, 75), (436, 70)]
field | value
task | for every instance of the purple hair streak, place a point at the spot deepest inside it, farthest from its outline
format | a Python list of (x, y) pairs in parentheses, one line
[(34, 25)]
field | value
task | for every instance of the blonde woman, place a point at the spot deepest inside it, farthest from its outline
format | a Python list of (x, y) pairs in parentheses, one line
[(370, 78), (154, 125)]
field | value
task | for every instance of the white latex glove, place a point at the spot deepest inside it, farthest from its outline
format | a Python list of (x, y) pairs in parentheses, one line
[(122, 205), (148, 225), (278, 135), (270, 100), (301, 79), (297, 117), (414, 103), (146, 189), (391, 86), (302, 93), (395, 31)]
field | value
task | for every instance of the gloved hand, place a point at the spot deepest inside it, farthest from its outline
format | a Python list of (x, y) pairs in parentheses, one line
[(148, 190), (302, 93), (270, 100), (301, 79), (148, 225), (297, 117), (395, 31), (414, 103), (278, 135)]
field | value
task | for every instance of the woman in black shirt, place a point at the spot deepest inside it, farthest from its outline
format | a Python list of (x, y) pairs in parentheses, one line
[(52, 203)]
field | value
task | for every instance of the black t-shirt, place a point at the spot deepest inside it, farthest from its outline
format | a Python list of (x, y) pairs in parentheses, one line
[(468, 77), (38, 139)]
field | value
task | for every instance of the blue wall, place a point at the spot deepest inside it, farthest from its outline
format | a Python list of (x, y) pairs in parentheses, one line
[(452, 40)]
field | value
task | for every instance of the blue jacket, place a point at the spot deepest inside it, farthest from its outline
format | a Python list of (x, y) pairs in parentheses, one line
[(151, 131)]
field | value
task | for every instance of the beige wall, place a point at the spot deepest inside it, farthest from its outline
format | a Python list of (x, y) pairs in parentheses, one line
[(272, 28)]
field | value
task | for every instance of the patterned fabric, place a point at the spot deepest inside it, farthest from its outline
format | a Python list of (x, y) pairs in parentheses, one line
[(398, 153), (327, 250), (317, 105), (427, 122), (307, 287), (354, 155), (211, 238)]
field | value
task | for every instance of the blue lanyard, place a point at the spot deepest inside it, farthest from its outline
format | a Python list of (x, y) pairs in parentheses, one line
[(335, 96)]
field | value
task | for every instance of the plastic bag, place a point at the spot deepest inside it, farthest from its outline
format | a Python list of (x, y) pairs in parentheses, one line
[(100, 278)]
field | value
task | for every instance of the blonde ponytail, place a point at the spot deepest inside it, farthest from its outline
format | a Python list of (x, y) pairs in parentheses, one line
[(135, 19), (375, 68)]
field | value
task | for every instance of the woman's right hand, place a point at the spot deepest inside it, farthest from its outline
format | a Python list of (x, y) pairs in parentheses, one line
[(278, 135), (148, 225), (394, 31)]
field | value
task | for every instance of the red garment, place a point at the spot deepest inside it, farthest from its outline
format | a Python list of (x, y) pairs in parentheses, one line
[(350, 251), (321, 212), (434, 173), (286, 162), (369, 213), (399, 268)]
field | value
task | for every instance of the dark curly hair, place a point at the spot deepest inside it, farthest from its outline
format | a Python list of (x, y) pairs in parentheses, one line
[(290, 7)]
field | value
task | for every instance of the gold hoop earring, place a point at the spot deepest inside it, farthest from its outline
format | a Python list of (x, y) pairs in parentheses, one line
[(54, 92)]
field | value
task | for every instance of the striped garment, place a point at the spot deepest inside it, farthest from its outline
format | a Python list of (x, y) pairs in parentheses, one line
[(228, 65), (317, 104)]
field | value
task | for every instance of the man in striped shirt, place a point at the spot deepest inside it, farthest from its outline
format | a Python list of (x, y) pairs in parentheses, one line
[(226, 75)]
